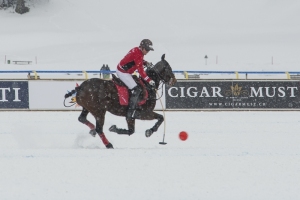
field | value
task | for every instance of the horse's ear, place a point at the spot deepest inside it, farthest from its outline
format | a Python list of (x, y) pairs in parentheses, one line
[(163, 57)]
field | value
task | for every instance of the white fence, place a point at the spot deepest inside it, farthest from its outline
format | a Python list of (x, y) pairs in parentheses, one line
[(48, 74)]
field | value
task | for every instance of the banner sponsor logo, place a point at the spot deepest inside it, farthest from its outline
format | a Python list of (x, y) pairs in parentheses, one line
[(235, 94), (14, 94)]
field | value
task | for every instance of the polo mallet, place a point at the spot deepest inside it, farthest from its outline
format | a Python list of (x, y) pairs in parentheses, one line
[(163, 142)]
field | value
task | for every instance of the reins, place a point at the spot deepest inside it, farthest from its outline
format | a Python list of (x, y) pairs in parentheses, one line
[(162, 92), (152, 67)]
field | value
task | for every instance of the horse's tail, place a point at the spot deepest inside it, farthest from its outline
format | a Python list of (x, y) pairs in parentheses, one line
[(73, 100), (72, 92)]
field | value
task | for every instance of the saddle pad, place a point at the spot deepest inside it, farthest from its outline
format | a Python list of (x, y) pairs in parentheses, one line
[(124, 95)]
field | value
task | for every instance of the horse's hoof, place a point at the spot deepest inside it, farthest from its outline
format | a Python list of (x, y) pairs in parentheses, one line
[(148, 133), (113, 128), (109, 146), (93, 132)]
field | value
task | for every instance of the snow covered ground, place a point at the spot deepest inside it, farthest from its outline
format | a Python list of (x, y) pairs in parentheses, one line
[(228, 155)]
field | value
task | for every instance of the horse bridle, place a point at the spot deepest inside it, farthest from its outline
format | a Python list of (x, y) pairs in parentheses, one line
[(157, 72), (152, 67)]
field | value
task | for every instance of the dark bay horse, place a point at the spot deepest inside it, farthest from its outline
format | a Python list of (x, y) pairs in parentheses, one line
[(96, 96)]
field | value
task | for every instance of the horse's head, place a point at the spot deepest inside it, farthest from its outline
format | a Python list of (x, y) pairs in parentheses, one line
[(162, 71)]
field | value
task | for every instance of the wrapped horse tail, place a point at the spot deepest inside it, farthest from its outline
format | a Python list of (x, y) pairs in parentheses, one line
[(69, 94), (72, 92)]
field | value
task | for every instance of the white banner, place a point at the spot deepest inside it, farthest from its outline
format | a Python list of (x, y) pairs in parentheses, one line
[(49, 95)]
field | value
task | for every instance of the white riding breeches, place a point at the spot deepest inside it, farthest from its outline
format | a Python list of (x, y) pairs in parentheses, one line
[(127, 79)]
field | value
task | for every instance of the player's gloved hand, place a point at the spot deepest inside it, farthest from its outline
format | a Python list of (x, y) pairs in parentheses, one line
[(148, 64), (152, 83)]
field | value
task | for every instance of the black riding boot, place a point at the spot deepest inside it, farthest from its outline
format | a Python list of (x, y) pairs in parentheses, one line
[(135, 92)]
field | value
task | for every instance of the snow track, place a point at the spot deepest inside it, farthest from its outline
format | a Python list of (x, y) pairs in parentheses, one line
[(228, 155)]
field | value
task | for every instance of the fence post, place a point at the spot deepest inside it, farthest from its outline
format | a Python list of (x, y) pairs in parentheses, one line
[(186, 75), (35, 75), (237, 75), (288, 75), (85, 74)]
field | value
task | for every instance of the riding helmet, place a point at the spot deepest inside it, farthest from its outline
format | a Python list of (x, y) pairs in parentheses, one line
[(146, 44)]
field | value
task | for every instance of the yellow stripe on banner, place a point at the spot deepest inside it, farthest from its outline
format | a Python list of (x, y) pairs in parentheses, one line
[(186, 75), (288, 75), (237, 75), (35, 75), (85, 74)]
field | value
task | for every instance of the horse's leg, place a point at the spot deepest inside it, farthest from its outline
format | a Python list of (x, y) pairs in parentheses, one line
[(160, 119), (82, 119), (102, 136), (130, 131), (99, 128)]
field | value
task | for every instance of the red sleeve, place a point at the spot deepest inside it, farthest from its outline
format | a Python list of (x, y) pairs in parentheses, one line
[(141, 71)]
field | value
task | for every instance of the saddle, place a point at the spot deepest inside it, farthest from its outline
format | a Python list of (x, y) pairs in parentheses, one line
[(123, 91)]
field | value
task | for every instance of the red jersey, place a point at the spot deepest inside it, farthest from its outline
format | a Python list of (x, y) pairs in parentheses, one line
[(133, 60)]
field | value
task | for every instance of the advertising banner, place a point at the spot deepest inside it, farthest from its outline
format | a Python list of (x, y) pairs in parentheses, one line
[(233, 95), (14, 95), (185, 94), (49, 95)]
